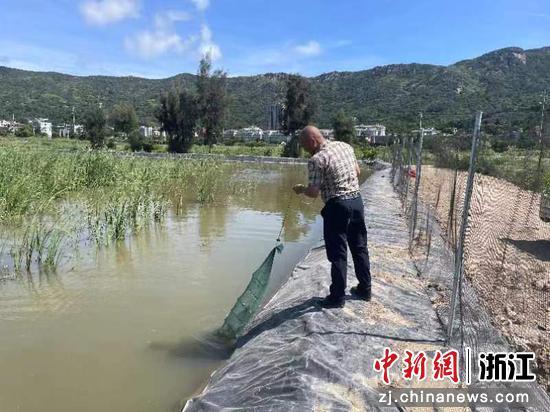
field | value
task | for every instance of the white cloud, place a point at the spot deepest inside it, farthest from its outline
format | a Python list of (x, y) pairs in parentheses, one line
[(166, 19), (289, 57), (101, 12), (201, 4), (150, 44), (311, 48), (283, 55), (207, 45), (163, 39)]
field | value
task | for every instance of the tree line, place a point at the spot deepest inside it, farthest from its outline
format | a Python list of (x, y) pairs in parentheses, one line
[(188, 115)]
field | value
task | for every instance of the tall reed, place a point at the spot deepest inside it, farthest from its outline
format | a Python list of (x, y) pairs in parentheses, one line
[(112, 196)]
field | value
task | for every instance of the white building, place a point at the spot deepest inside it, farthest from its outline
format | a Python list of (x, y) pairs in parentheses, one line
[(146, 131), (431, 131), (78, 129), (371, 132), (327, 133), (10, 125), (252, 133), (428, 132), (274, 136), (248, 134), (230, 134), (64, 131), (68, 130), (42, 126), (158, 133)]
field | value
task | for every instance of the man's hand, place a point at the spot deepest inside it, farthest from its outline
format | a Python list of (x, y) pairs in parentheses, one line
[(309, 191), (299, 189)]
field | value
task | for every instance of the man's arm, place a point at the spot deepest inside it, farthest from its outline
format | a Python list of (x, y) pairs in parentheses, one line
[(315, 178), (310, 191), (357, 169)]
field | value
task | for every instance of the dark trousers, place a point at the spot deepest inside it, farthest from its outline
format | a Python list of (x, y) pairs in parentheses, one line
[(343, 225)]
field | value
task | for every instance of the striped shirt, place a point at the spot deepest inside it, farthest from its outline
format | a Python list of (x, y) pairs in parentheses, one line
[(333, 170)]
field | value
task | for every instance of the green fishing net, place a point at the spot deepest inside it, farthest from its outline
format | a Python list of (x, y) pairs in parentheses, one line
[(248, 303)]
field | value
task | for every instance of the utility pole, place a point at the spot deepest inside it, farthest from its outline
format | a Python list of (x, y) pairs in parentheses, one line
[(74, 123)]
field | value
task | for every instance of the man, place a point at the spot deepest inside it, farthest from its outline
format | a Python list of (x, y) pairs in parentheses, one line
[(333, 172)]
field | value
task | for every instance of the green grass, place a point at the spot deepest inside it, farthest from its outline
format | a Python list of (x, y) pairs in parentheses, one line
[(518, 166), (252, 149), (51, 198), (240, 149)]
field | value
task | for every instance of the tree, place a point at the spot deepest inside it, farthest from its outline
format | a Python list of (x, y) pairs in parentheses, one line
[(212, 100), (344, 127), (298, 110), (94, 125), (123, 118), (24, 131), (137, 142), (526, 142), (178, 115)]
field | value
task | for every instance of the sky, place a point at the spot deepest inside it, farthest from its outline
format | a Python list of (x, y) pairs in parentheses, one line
[(158, 39)]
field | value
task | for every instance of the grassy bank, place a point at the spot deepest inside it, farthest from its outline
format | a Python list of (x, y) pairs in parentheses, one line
[(515, 165), (237, 149)]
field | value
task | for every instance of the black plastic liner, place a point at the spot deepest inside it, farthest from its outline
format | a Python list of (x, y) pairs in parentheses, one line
[(296, 356)]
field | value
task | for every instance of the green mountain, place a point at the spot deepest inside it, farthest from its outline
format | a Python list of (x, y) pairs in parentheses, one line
[(506, 84)]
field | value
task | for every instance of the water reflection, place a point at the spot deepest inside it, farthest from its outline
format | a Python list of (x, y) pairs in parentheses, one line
[(212, 223)]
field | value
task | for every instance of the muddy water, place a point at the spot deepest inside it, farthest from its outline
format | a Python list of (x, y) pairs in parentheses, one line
[(118, 332)]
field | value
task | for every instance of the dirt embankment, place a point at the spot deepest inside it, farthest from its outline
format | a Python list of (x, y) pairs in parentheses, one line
[(507, 254)]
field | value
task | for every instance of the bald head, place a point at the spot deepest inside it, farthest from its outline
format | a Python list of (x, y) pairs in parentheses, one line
[(311, 139)]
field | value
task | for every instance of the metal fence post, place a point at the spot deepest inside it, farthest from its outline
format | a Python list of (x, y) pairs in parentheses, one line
[(416, 183), (459, 257), (541, 143), (401, 165), (394, 160), (407, 177)]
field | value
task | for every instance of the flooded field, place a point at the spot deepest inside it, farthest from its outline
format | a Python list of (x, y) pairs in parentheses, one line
[(115, 328)]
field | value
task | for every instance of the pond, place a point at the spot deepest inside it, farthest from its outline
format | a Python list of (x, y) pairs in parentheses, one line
[(115, 329)]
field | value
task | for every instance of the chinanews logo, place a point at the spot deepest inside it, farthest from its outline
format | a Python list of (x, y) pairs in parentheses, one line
[(445, 366), (492, 366)]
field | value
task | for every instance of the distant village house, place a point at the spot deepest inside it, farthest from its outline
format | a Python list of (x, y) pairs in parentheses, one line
[(68, 130), (373, 134), (42, 126), (10, 126)]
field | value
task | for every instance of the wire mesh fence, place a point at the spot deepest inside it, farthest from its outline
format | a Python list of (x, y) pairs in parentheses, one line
[(481, 203)]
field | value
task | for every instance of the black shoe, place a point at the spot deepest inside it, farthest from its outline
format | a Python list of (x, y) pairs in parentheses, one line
[(330, 302), (364, 294)]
